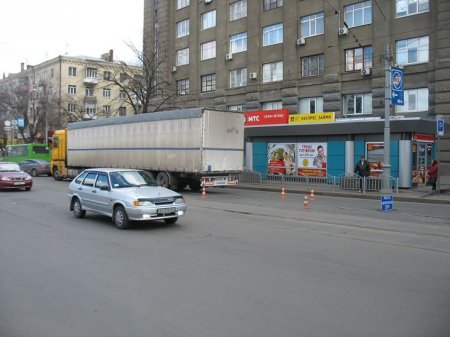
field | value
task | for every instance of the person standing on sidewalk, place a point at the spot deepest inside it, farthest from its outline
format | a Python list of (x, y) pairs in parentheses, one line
[(432, 174), (362, 169)]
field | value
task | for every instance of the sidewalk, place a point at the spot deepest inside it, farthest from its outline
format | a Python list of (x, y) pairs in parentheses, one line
[(422, 194)]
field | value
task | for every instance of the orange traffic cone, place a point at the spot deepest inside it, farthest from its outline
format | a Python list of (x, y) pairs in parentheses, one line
[(312, 197), (203, 193), (282, 194), (305, 202)]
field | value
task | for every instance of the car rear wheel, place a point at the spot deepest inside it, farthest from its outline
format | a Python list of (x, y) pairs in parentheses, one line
[(170, 220), (120, 218), (78, 211), (33, 173)]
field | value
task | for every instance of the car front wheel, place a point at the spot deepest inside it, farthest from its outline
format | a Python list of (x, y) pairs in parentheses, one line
[(78, 211), (120, 218)]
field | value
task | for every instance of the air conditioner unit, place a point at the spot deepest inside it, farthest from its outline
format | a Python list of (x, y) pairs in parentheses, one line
[(301, 41), (228, 57), (253, 76), (366, 71), (174, 69), (208, 1), (343, 31)]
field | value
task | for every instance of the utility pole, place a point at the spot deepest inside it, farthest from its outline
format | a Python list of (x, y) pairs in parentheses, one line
[(385, 183)]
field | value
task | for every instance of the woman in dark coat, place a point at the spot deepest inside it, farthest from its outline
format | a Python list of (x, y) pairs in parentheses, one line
[(432, 174)]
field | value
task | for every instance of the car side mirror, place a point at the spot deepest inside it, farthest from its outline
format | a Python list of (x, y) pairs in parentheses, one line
[(104, 188)]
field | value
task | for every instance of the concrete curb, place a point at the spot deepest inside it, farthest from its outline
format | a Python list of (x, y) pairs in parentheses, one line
[(425, 199)]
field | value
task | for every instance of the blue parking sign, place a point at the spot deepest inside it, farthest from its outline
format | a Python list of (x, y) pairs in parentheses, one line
[(440, 125), (387, 202), (397, 97)]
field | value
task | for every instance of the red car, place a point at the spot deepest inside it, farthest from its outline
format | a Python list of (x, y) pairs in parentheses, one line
[(12, 177)]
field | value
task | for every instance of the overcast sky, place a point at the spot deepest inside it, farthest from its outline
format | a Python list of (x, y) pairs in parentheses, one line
[(33, 31)]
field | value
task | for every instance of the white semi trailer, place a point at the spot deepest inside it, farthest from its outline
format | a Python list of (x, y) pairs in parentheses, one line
[(180, 147)]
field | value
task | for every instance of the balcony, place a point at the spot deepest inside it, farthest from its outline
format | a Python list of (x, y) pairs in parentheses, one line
[(90, 80)]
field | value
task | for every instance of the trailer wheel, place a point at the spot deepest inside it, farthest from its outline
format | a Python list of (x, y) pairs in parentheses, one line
[(195, 185), (163, 179)]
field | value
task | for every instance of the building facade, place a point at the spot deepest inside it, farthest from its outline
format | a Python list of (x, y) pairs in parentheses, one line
[(62, 90), (307, 56)]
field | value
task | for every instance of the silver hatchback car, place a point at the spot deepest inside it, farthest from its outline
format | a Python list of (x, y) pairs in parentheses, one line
[(125, 195)]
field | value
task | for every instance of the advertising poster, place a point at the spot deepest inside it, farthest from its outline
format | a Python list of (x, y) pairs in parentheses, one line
[(312, 159), (281, 158), (266, 117), (375, 157)]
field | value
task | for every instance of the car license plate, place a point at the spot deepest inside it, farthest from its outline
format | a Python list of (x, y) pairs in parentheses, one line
[(166, 210), (19, 183)]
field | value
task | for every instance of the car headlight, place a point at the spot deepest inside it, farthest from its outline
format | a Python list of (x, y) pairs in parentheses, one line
[(6, 178), (28, 177), (145, 203), (179, 201)]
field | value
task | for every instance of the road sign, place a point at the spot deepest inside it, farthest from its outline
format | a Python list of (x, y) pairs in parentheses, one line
[(20, 122), (440, 125), (387, 202), (397, 86)]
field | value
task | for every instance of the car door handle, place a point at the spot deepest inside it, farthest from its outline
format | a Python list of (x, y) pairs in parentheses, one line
[(94, 191)]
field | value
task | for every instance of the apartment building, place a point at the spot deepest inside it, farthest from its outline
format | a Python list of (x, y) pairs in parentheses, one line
[(308, 57), (66, 89)]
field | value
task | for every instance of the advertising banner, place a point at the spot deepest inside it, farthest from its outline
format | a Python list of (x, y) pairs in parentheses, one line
[(322, 117), (281, 158), (375, 157), (312, 159), (266, 117)]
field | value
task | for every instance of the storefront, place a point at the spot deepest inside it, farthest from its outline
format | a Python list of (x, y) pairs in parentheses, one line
[(320, 145)]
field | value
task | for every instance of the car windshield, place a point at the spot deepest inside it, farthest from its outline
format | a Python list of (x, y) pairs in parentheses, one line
[(9, 167), (123, 179)]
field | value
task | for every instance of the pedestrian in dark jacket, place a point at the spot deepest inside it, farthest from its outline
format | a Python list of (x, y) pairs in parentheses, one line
[(362, 169), (432, 174)]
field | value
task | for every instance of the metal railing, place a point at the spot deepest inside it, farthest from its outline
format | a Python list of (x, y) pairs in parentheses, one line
[(334, 183)]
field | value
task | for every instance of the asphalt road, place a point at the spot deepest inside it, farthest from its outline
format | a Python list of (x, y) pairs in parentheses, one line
[(239, 264)]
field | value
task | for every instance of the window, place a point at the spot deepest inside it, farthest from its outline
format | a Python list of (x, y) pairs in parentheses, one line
[(358, 58), (72, 90), (89, 91), (90, 179), (183, 87), (106, 75), (102, 181), (272, 4), (357, 104), (273, 34), (410, 7), (208, 20), (311, 25), (182, 57), (238, 10), (312, 66), (183, 28), (237, 107), (72, 71), (208, 50), (415, 100), (122, 111), (91, 73), (238, 78), (238, 42), (412, 50), (311, 105), (106, 92), (358, 14), (106, 110), (90, 110), (71, 108), (122, 94), (275, 105), (182, 3), (273, 72), (208, 82)]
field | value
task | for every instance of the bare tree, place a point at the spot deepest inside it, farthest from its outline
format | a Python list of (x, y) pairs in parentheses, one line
[(145, 89)]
